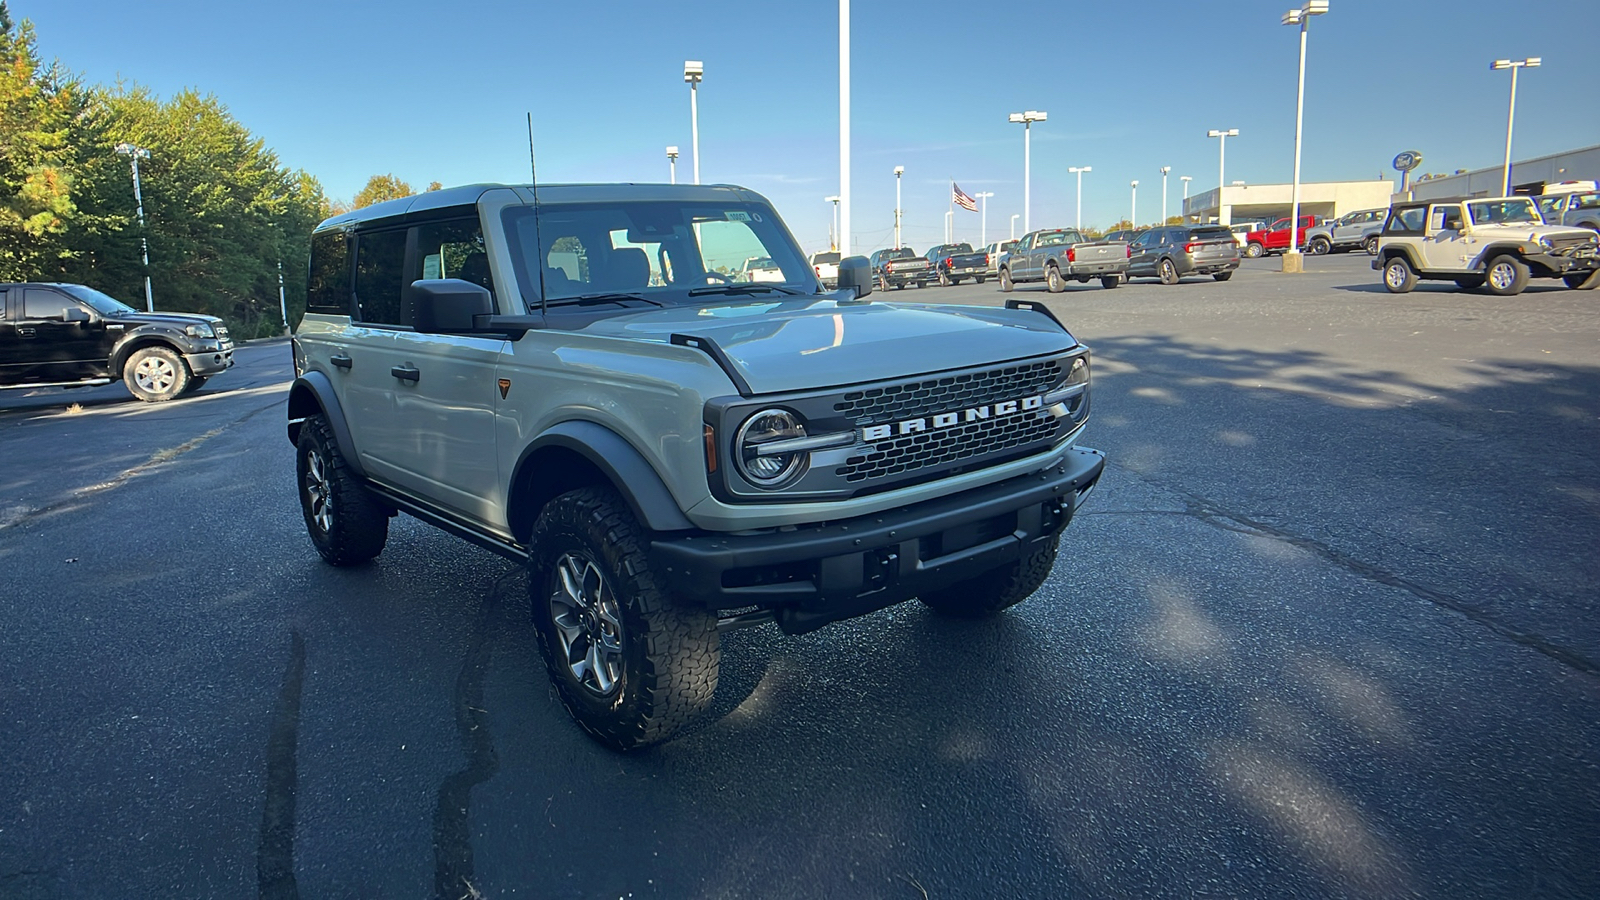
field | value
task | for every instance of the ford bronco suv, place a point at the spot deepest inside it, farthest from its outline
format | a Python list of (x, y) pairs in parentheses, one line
[(69, 335), (1493, 243), (569, 377)]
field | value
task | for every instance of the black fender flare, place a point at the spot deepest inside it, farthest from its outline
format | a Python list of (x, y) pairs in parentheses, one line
[(625, 467), (312, 394), (1481, 261), (1388, 253)]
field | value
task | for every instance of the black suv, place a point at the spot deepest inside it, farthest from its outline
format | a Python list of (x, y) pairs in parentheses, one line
[(1173, 251), (69, 335)]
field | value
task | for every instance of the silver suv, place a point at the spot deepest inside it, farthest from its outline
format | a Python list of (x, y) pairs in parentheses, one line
[(573, 378), (1493, 243), (1349, 231)]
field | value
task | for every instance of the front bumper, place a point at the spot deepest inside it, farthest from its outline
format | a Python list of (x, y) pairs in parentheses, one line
[(211, 362), (818, 574)]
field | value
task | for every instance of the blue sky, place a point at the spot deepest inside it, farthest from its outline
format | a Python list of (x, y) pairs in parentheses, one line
[(434, 91)]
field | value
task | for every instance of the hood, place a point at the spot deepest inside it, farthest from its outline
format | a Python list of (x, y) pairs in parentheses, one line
[(168, 318), (810, 343)]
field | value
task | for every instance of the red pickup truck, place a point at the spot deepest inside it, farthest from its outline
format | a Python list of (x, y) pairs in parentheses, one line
[(1275, 237)]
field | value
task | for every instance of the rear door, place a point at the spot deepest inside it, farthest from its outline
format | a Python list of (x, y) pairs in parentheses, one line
[(1143, 260), (10, 352)]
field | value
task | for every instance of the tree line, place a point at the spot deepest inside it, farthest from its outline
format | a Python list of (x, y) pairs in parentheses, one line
[(221, 210)]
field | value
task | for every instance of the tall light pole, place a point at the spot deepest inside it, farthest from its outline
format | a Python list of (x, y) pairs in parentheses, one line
[(693, 71), (1079, 170), (134, 154), (1531, 62), (1301, 17), (1164, 171), (1027, 119), (1014, 218), (1223, 218), (833, 225), (949, 226), (672, 163), (844, 125), (1185, 179), (1133, 211), (898, 171), (983, 216)]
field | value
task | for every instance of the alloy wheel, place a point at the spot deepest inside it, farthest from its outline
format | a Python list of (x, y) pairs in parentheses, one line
[(588, 623), (319, 495), (1502, 276), (155, 374)]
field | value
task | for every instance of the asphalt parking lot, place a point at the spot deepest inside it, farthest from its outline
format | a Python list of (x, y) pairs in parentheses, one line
[(1327, 628)]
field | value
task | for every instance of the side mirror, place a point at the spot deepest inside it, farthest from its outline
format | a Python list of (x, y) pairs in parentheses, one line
[(855, 274), (75, 314), (448, 305)]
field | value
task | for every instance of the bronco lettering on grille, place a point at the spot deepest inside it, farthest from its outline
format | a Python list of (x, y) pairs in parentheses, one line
[(951, 419)]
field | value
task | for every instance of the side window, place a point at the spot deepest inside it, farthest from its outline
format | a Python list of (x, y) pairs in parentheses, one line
[(328, 285), (1586, 201), (380, 258), (452, 249), (1408, 220), (1444, 218), (43, 303)]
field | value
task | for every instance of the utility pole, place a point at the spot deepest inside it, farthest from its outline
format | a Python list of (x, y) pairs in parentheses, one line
[(283, 305), (1511, 114), (1079, 170), (135, 154), (983, 216), (1164, 171), (898, 171), (844, 127), (693, 71)]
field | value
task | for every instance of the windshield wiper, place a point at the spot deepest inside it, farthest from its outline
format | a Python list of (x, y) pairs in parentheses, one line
[(743, 289), (617, 297)]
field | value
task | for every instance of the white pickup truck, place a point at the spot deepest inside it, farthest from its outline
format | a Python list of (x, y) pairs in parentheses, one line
[(1056, 255)]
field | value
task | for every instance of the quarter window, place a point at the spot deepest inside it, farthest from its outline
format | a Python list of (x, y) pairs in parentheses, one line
[(328, 285), (380, 259), (1407, 220)]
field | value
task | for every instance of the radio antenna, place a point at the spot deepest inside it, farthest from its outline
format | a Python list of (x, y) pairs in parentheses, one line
[(533, 182)]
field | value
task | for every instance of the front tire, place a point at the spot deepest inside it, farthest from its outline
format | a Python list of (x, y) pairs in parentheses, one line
[(347, 525), (1398, 276), (155, 374), (997, 589), (1575, 280), (1167, 272), (1506, 275), (1319, 246), (1006, 284), (1254, 250), (631, 665), (1053, 281)]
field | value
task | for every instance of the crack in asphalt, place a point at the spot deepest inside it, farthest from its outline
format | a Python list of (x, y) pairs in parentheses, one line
[(1206, 511), (453, 870), (13, 516), (275, 852)]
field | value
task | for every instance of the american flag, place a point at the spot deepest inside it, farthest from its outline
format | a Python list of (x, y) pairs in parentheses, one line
[(961, 199)]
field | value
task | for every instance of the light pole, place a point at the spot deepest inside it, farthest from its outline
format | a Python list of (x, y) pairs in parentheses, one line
[(983, 216), (693, 71), (1531, 62), (134, 154), (1014, 217), (1164, 171), (672, 163), (1027, 119), (1185, 179), (833, 225), (1223, 218), (898, 171), (844, 125), (1133, 211), (1302, 17), (1079, 170), (949, 226)]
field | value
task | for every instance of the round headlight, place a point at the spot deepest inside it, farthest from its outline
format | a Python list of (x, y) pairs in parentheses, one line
[(769, 469)]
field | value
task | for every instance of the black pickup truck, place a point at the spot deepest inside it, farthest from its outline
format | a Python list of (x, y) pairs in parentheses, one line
[(954, 262), (69, 335), (899, 267)]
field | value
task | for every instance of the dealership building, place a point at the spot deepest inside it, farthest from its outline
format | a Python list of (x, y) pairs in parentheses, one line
[(1247, 202), (1528, 176)]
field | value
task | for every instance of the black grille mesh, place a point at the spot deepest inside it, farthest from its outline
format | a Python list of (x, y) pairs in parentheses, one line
[(948, 393), (908, 453)]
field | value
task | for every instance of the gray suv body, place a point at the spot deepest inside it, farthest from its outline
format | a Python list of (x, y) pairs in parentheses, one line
[(575, 382), (1173, 251), (1349, 231)]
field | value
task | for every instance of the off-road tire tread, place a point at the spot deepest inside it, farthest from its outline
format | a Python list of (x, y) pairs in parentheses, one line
[(360, 521), (997, 589), (681, 647)]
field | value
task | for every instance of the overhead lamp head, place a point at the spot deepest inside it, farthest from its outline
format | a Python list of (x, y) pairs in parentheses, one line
[(1500, 64), (672, 152), (1292, 17), (693, 70), (1034, 115), (1533, 61), (1315, 8), (899, 170), (1016, 117), (834, 199), (1165, 169), (1134, 183)]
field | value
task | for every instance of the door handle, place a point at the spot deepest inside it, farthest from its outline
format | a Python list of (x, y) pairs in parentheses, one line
[(406, 373), (340, 361), (26, 332)]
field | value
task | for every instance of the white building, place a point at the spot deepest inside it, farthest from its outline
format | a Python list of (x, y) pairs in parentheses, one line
[(1527, 176), (1272, 201)]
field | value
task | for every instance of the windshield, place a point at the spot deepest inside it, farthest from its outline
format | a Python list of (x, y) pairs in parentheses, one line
[(1508, 211), (103, 304), (657, 251)]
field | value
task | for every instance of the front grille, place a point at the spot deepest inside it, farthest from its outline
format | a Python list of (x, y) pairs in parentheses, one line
[(936, 395), (222, 332), (908, 453)]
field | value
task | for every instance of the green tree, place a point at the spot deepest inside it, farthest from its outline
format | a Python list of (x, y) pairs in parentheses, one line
[(380, 188), (37, 110)]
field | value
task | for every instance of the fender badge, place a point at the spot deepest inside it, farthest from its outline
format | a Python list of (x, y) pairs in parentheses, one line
[(505, 387)]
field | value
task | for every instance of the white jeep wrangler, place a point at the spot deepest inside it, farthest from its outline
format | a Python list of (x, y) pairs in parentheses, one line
[(1496, 243)]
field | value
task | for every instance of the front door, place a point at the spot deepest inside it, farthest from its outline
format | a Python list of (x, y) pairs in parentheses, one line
[(1447, 246), (58, 345)]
